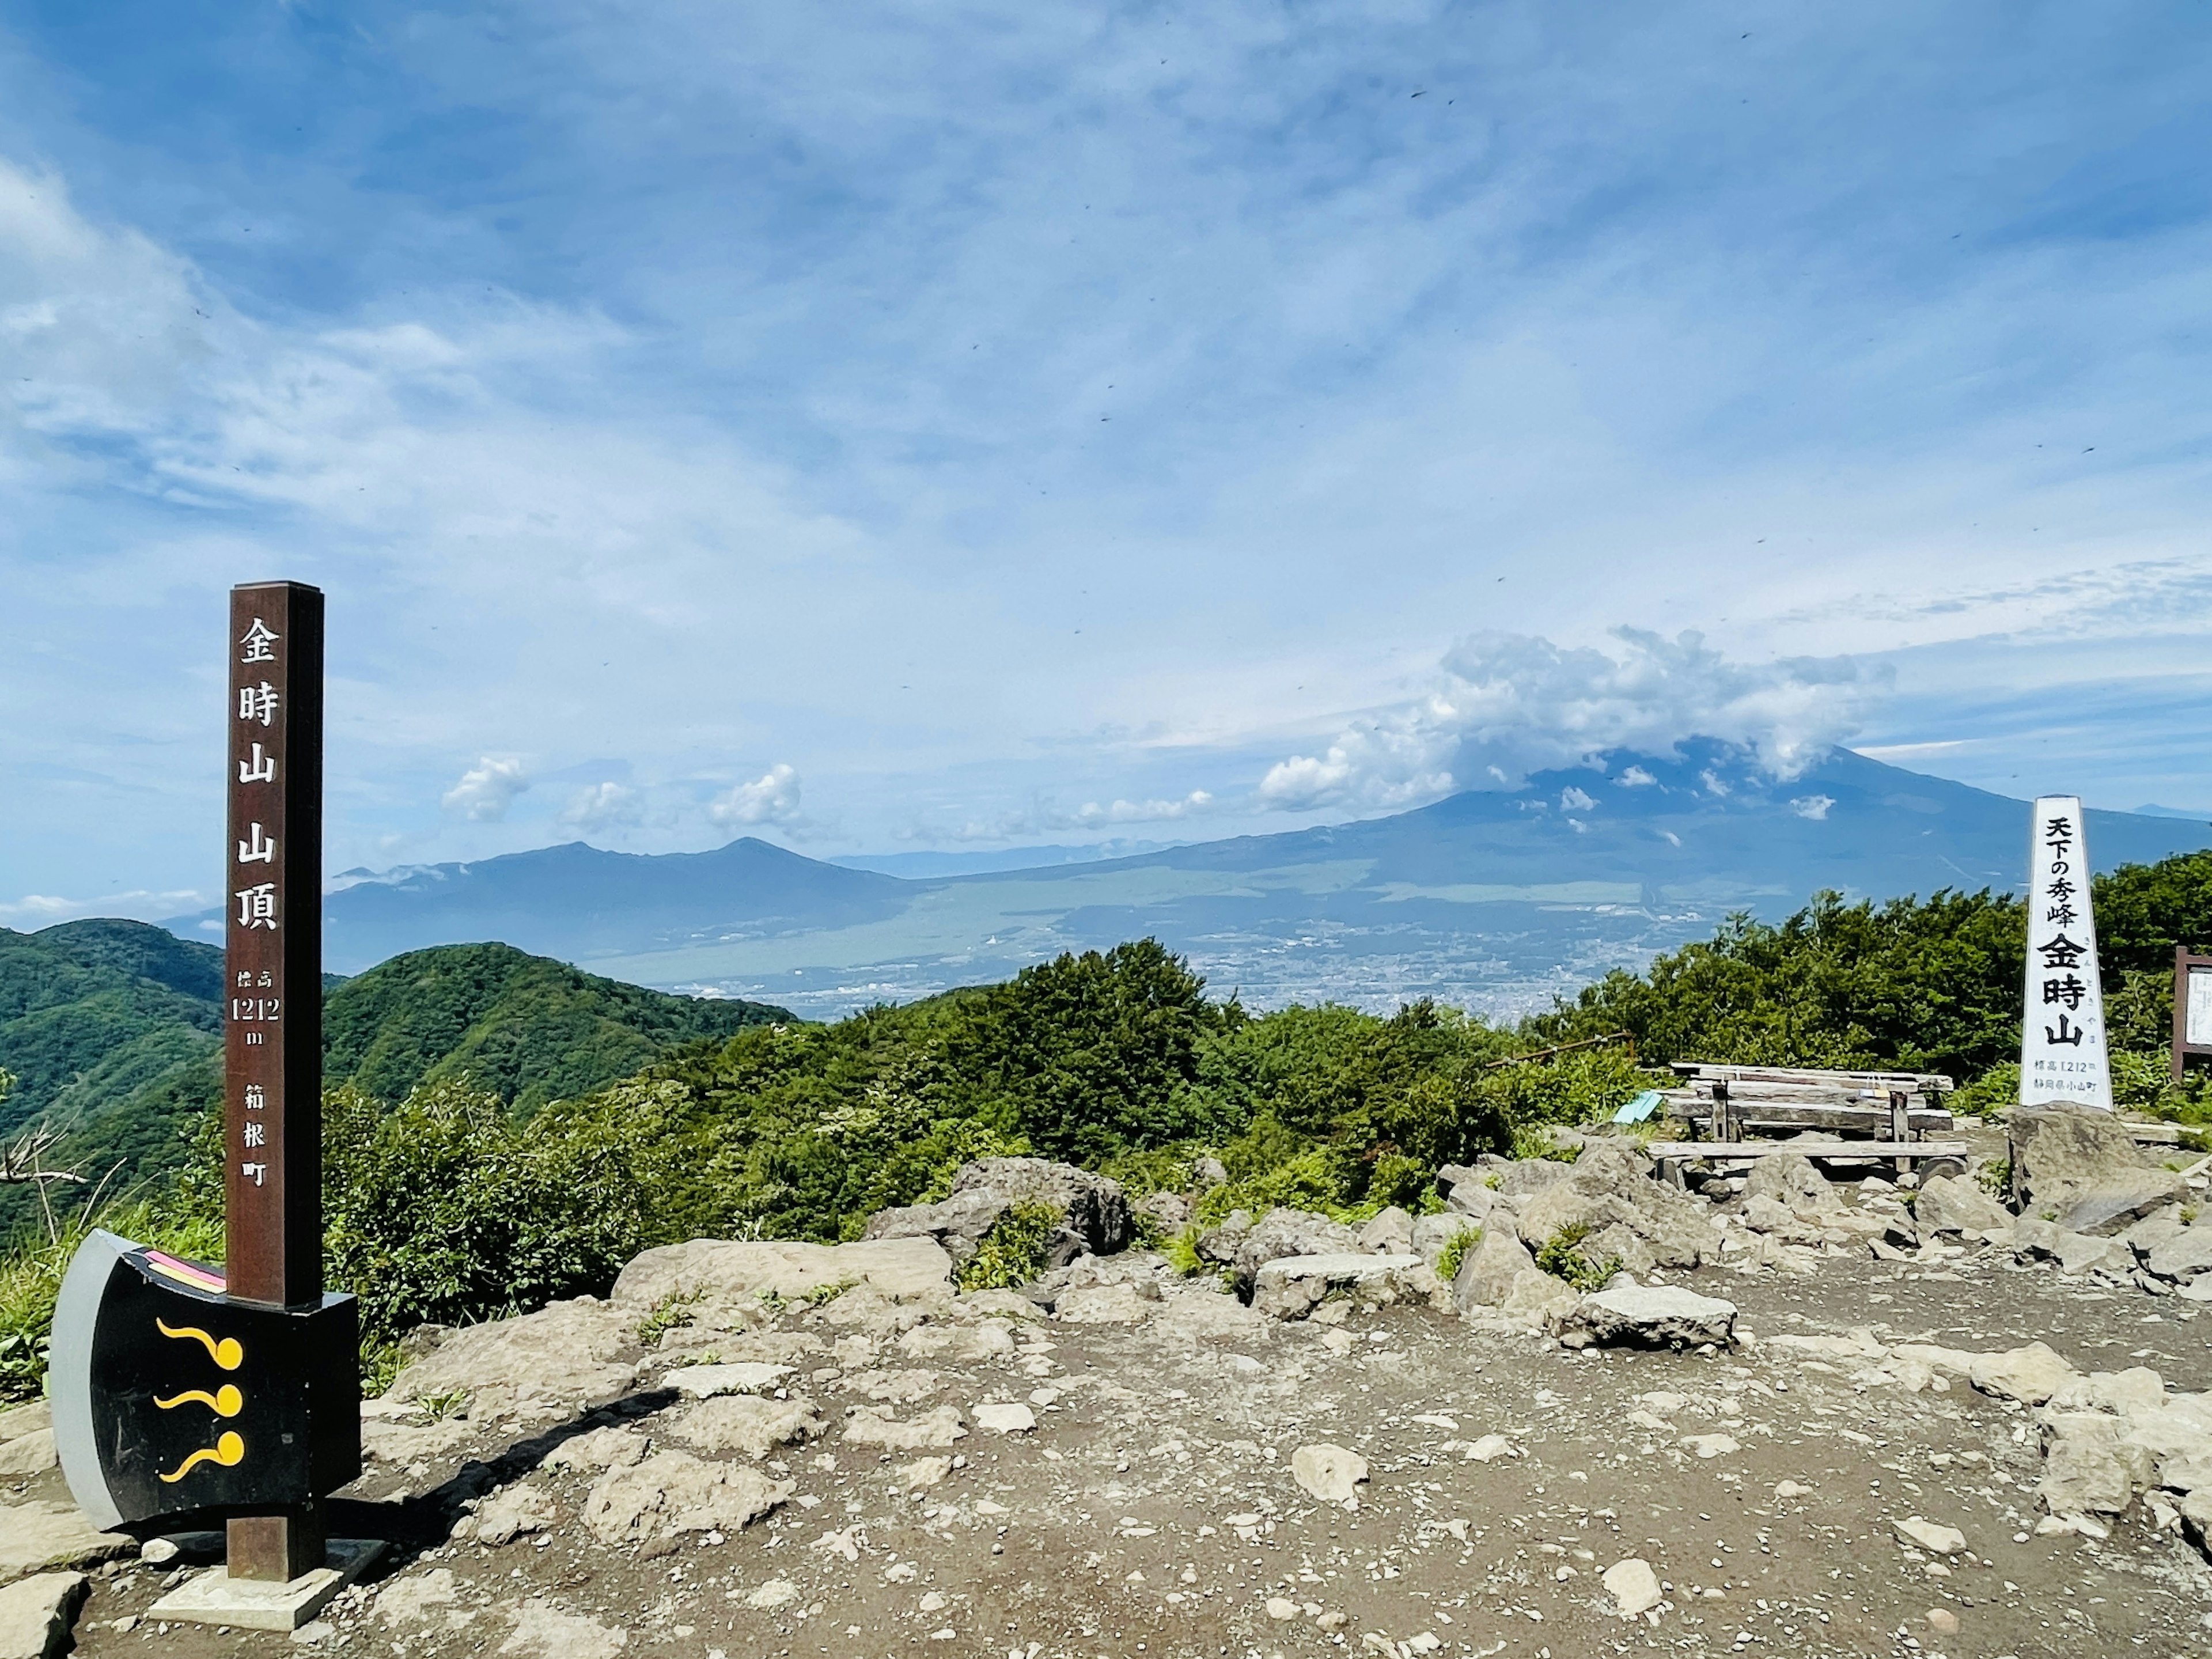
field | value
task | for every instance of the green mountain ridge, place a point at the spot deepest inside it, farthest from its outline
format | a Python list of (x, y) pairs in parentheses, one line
[(113, 1031)]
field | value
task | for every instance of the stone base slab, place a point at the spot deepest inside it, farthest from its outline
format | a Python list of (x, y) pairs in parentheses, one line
[(216, 1598)]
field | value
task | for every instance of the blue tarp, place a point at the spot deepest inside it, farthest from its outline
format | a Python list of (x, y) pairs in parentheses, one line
[(1638, 1108)]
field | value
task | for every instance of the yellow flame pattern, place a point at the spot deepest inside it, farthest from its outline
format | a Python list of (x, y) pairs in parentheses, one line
[(229, 1450), (227, 1354), (225, 1401)]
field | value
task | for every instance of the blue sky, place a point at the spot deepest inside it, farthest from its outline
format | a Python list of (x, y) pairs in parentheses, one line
[(887, 427)]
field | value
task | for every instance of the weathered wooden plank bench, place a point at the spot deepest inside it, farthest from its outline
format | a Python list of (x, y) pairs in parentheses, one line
[(1726, 1101), (1672, 1155)]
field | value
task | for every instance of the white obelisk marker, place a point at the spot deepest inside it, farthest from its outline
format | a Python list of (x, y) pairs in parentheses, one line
[(2061, 1045)]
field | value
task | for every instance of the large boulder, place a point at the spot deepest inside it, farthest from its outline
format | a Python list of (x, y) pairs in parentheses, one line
[(739, 1273), (1292, 1286), (1529, 1176), (1625, 1213), (1649, 1316), (2077, 1166), (1219, 1245), (1791, 1180), (562, 1359), (2089, 1465), (1288, 1232), (1096, 1216), (1488, 1273), (1390, 1233), (1956, 1204), (2183, 1254)]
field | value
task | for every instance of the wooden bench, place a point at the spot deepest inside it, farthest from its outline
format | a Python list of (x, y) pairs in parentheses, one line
[(1672, 1155), (1725, 1101)]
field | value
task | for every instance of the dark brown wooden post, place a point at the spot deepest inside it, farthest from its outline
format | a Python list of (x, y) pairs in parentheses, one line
[(273, 964), (2180, 1007)]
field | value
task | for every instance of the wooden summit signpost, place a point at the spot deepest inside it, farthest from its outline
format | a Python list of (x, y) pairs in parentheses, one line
[(183, 1395)]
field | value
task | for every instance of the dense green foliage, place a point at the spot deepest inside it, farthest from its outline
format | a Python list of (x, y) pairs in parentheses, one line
[(527, 1029), (115, 1028), (446, 1203)]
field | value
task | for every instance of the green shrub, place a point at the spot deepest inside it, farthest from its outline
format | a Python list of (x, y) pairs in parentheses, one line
[(1012, 1252), (1181, 1252), (1455, 1252), (1563, 1258), (445, 1210)]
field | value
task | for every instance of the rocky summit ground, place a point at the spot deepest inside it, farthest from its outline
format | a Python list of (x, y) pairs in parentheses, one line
[(763, 1448)]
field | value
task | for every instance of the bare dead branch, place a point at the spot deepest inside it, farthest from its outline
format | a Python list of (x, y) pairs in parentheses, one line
[(23, 1164)]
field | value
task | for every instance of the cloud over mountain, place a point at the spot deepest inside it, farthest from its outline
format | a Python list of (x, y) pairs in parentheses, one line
[(1508, 704)]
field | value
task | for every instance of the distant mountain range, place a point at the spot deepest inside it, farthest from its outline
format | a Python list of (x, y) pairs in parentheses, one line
[(1490, 899), (113, 1032)]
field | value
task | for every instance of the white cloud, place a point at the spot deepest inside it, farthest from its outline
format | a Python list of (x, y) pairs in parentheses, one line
[(1636, 778), (1572, 799), (36, 910), (1509, 704), (602, 807), (486, 790), (772, 798), (1132, 811), (1814, 807)]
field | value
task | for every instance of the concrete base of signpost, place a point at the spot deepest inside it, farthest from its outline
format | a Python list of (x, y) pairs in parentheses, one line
[(216, 1598)]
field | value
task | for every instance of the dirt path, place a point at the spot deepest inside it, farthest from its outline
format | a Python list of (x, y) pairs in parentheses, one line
[(1152, 1510)]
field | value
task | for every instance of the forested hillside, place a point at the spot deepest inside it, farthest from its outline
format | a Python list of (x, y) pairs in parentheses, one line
[(112, 1031)]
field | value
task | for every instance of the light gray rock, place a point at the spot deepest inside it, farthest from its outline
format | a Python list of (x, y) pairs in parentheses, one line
[(601, 1449), (543, 1365), (736, 1273), (1292, 1286), (1329, 1474), (1789, 1180), (1634, 1586), (2110, 1206), (1208, 1173), (1538, 1298), (1648, 1316), (2088, 1467), (1956, 1204), (2153, 1230), (2030, 1375), (1433, 1232), (1095, 1214), (1930, 1535), (745, 1423), (38, 1536), (544, 1630), (2185, 1253), (1528, 1177), (2081, 1253), (1488, 1273), (37, 1614), (874, 1426), (1286, 1233), (1673, 1227), (1170, 1212), (28, 1454), (506, 1515), (672, 1492), (2078, 1166), (1389, 1233), (1219, 1245)]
